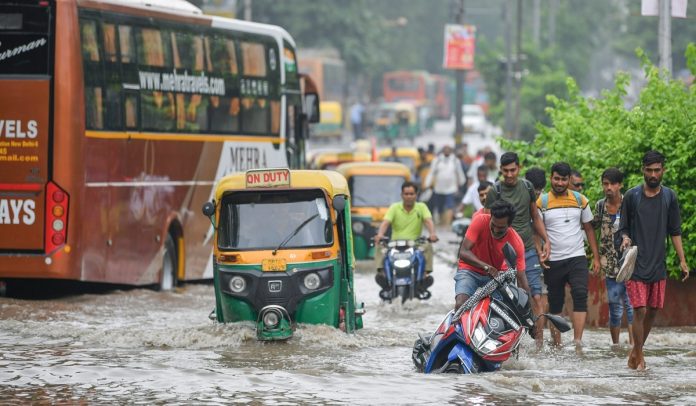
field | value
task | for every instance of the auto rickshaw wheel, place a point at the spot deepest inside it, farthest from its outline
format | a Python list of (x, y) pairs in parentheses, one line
[(168, 278)]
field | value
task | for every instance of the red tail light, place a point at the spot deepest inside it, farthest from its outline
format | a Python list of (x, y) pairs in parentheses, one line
[(56, 217)]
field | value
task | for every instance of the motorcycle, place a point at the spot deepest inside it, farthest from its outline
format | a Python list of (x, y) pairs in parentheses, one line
[(485, 331), (404, 270)]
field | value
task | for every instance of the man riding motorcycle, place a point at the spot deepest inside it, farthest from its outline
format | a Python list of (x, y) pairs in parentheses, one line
[(406, 219)]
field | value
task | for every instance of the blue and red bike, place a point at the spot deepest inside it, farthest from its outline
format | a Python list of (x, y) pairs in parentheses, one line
[(485, 331)]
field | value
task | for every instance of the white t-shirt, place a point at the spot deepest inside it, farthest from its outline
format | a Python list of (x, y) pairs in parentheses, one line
[(563, 220), (472, 197)]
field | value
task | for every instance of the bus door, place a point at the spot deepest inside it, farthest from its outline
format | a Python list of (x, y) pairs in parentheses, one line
[(294, 138), (32, 209)]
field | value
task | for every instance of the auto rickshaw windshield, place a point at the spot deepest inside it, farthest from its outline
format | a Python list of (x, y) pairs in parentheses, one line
[(375, 191), (267, 219)]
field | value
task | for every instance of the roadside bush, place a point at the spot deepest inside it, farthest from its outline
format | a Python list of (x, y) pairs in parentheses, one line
[(594, 134)]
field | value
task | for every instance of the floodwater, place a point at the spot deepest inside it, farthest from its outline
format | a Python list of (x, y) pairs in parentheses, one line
[(144, 347)]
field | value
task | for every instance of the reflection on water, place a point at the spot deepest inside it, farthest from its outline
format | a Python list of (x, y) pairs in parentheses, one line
[(143, 347)]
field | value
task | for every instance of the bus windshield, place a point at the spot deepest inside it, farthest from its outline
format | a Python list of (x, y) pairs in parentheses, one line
[(375, 191), (265, 220), (24, 39)]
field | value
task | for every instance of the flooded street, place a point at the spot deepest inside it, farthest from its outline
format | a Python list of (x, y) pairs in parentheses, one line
[(141, 346)]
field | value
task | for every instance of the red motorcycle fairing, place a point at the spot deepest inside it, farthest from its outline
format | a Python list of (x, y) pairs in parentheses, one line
[(490, 345)]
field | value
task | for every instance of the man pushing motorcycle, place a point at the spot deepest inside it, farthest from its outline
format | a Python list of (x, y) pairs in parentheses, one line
[(481, 252), (406, 219)]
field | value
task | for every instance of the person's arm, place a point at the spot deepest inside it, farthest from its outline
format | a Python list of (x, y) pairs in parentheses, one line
[(468, 256), (382, 229), (431, 229), (491, 197), (521, 266), (522, 282), (540, 230), (592, 240), (679, 248), (596, 221)]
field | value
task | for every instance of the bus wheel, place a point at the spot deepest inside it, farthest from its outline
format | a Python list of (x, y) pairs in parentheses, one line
[(168, 278)]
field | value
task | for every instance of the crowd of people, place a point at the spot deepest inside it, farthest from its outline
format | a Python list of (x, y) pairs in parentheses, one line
[(558, 238)]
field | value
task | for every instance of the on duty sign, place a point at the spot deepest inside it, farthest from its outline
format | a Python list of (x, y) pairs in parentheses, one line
[(268, 178)]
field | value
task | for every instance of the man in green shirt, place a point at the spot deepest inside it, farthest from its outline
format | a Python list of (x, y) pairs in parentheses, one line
[(406, 219), (527, 222)]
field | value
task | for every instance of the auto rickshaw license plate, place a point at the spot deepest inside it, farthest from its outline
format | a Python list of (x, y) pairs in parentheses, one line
[(274, 265)]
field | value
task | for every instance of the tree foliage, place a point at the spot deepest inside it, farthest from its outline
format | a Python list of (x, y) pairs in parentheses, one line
[(593, 134)]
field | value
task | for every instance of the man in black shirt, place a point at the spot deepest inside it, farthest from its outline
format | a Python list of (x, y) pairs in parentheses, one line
[(649, 213)]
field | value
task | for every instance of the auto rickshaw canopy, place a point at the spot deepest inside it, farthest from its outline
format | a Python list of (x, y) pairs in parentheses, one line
[(282, 178), (374, 168), (324, 159)]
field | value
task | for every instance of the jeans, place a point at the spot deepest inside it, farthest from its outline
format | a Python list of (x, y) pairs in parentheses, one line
[(618, 299), (533, 271)]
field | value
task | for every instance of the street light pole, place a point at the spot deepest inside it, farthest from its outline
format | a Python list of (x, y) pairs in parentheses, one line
[(460, 75), (665, 35)]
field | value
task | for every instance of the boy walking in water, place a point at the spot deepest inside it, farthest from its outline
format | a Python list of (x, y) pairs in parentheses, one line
[(650, 212), (606, 220)]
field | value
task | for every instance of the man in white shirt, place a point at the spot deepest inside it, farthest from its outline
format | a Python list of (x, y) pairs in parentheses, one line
[(445, 177)]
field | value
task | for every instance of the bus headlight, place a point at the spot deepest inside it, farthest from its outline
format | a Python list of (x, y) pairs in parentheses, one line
[(358, 227), (237, 284), (312, 281), (271, 319)]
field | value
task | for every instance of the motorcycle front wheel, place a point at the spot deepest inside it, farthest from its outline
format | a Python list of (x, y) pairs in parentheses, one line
[(403, 291)]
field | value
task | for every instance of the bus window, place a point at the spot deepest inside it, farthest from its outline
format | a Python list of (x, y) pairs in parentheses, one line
[(255, 116), (130, 106), (254, 59), (127, 43), (225, 116), (94, 100), (224, 56), (275, 117), (90, 47), (154, 48), (109, 32), (188, 52), (157, 111)]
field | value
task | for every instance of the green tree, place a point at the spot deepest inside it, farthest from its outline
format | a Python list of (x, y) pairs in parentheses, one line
[(594, 134)]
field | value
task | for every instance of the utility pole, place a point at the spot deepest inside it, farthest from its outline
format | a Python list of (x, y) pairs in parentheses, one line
[(537, 23), (460, 75), (518, 71), (552, 21), (665, 35), (247, 10), (508, 70)]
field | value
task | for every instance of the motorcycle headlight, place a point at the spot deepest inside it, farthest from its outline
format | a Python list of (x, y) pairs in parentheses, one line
[(481, 340), (237, 284), (402, 263), (271, 319), (312, 281), (358, 227)]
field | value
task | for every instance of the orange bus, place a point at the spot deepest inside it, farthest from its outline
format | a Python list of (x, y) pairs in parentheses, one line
[(116, 119)]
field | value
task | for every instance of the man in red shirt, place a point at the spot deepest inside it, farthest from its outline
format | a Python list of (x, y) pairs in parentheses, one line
[(481, 253)]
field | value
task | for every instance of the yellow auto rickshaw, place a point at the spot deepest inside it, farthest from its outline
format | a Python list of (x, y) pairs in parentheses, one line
[(408, 156), (283, 251), (331, 159), (397, 121), (374, 186), (330, 125)]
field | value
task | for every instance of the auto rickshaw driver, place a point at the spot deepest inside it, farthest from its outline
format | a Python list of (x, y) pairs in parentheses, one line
[(406, 219)]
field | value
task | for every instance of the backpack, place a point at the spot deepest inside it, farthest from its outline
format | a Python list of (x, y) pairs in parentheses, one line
[(545, 202)]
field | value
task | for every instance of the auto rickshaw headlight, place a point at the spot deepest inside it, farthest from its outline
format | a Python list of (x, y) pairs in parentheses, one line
[(237, 284), (312, 281), (358, 227), (271, 319)]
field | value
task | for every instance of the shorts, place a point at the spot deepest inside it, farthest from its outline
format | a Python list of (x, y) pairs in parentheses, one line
[(646, 293), (466, 282), (573, 271), (442, 202), (533, 272)]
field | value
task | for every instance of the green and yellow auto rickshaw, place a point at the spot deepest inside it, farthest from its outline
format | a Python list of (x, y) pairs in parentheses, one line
[(283, 251), (329, 160), (397, 121), (330, 125), (374, 186)]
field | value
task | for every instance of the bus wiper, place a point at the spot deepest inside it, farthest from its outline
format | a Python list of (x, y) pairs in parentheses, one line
[(294, 233)]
